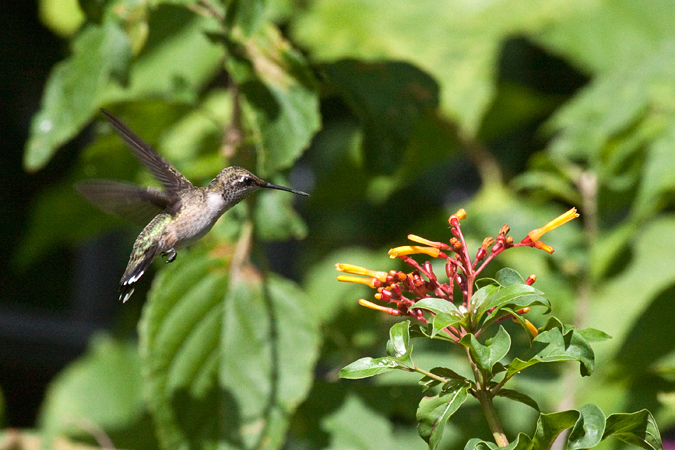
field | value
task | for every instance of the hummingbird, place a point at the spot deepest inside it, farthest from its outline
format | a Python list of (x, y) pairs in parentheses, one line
[(182, 212)]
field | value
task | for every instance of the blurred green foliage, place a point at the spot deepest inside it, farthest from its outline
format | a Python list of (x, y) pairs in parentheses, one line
[(383, 111)]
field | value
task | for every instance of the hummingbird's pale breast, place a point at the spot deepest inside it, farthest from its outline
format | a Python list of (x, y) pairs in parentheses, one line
[(200, 210)]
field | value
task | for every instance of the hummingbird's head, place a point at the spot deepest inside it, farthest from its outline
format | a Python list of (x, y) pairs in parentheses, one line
[(237, 183)]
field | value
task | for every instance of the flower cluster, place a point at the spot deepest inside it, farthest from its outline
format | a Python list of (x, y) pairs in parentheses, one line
[(403, 290)]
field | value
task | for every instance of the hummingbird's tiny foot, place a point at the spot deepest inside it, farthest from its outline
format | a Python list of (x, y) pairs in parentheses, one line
[(172, 255)]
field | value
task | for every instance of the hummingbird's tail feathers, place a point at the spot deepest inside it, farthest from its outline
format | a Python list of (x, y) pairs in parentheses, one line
[(135, 203), (138, 264), (125, 292), (162, 170)]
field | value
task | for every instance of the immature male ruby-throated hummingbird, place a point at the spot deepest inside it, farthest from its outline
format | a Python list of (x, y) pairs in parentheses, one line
[(182, 212)]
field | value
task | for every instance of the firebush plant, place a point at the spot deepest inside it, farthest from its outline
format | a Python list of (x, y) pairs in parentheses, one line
[(460, 310)]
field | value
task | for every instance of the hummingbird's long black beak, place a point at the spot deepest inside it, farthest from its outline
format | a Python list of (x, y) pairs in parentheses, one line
[(281, 188)]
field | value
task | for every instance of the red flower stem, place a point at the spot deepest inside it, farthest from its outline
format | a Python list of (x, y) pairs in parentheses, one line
[(465, 251), (456, 262), (489, 258), (412, 263), (453, 332)]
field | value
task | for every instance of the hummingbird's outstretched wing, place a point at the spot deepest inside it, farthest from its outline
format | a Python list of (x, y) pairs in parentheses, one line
[(162, 170), (132, 202)]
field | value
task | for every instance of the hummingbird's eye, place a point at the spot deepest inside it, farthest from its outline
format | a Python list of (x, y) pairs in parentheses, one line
[(246, 180)]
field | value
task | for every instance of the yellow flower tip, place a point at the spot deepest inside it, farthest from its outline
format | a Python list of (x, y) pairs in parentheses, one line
[(350, 279), (562, 219), (413, 250), (532, 328), (454, 219), (376, 307), (521, 312), (349, 268), (544, 247), (421, 240), (488, 242), (358, 270)]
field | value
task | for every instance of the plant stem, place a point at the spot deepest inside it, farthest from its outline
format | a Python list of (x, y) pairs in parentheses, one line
[(587, 183), (430, 375), (491, 416)]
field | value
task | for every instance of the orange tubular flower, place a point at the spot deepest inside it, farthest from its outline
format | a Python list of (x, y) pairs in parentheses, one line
[(350, 279), (454, 219), (537, 233), (532, 328), (376, 307), (544, 247), (413, 250), (358, 270), (421, 240)]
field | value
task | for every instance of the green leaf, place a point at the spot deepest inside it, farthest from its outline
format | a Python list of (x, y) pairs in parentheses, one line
[(588, 429), (75, 89), (610, 248), (446, 313), (549, 426), (389, 98), (554, 184), (94, 9), (221, 354), (638, 429), (522, 442), (356, 426), (369, 367), (173, 65), (519, 397), (398, 345), (631, 318), (601, 37), (275, 217), (268, 350), (486, 356), (657, 183), (177, 61), (518, 295), (553, 346), (179, 342), (246, 15), (279, 97), (503, 312), (508, 277), (479, 444), (103, 387), (433, 412), (593, 335), (623, 102), (473, 38)]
